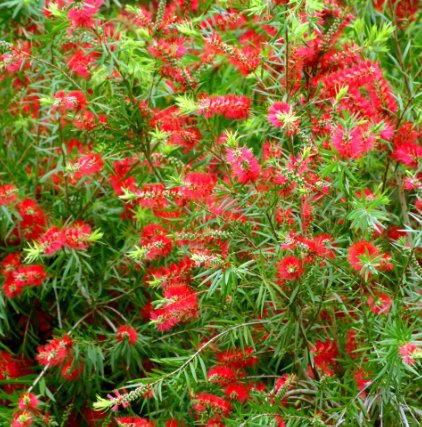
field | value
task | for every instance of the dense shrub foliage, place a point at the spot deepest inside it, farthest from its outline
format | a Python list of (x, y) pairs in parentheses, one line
[(210, 213)]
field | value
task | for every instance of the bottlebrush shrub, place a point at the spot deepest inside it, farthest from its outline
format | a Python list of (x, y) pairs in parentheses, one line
[(210, 213)]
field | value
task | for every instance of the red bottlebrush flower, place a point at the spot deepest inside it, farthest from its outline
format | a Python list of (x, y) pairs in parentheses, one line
[(152, 196), (409, 153), (30, 275), (12, 289), (70, 372), (203, 402), (28, 401), (52, 241), (33, 220), (182, 307), (87, 165), (380, 304), (237, 391), (221, 375), (22, 419), (324, 352), (244, 164), (197, 185), (359, 249), (281, 115), (229, 106), (56, 352), (289, 268), (79, 63), (10, 264), (82, 14), (164, 49), (75, 100), (317, 246), (154, 239), (133, 422), (238, 359), (126, 333), (353, 143), (363, 251), (77, 236), (409, 352), (245, 60), (8, 194)]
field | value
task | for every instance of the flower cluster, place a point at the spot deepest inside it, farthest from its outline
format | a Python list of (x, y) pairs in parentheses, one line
[(210, 213), (18, 276)]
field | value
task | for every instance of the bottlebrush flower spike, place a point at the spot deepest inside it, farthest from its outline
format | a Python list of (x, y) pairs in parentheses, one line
[(8, 194), (23, 419), (28, 401), (86, 165), (79, 63), (197, 185), (56, 352), (203, 402), (152, 196), (352, 143), (408, 153), (82, 14), (181, 307), (281, 115), (237, 391), (221, 375), (126, 333), (10, 263), (155, 242), (409, 352), (325, 353), (76, 237), (33, 220), (244, 164), (364, 255), (229, 106), (289, 268), (73, 101), (29, 275)]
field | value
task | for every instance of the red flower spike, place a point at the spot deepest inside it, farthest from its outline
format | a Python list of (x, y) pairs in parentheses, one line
[(289, 268), (126, 333), (237, 391), (221, 375), (203, 402), (28, 401)]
